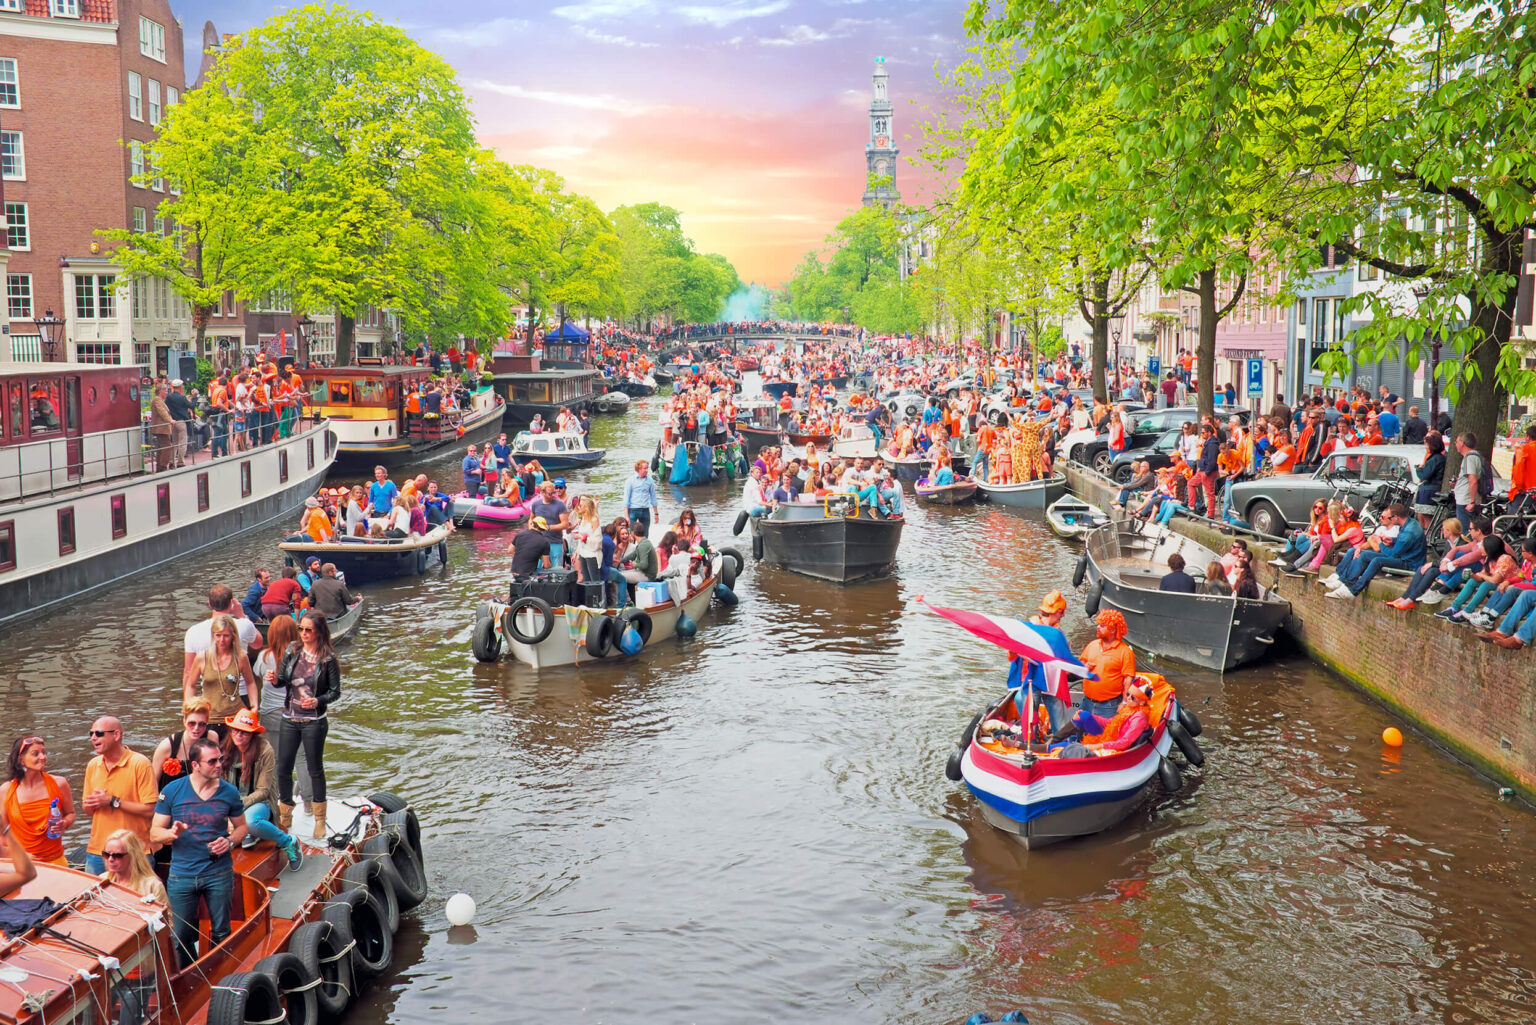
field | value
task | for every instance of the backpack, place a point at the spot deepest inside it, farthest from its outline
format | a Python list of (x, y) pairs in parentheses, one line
[(1485, 479)]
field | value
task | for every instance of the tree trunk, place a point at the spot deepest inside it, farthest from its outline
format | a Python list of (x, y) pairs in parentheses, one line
[(346, 334), (1483, 397), (1097, 312), (200, 315), (1205, 352)]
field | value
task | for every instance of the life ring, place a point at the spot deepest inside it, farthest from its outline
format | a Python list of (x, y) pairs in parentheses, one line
[(952, 766), (484, 641), (641, 620), (373, 944), (1080, 570), (368, 873), (1190, 722), (1168, 773), (327, 955), (741, 523), (1187, 745), (295, 984), (757, 547), (1095, 593), (600, 636), (731, 565), (546, 619), (242, 997)]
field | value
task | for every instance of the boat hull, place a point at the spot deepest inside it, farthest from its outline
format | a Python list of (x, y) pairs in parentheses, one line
[(957, 493), (779, 389), (480, 426), (909, 471), (366, 562), (840, 549), (1035, 494), (1072, 518), (756, 438), (475, 514)]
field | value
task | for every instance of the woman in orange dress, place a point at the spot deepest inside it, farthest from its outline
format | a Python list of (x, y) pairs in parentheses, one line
[(27, 798)]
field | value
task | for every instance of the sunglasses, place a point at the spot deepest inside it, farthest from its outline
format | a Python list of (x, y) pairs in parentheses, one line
[(306, 629), (213, 761), (114, 854), (29, 741), (101, 733), (197, 724)]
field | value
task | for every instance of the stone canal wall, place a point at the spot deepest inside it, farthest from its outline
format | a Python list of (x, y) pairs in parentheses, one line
[(1476, 699)]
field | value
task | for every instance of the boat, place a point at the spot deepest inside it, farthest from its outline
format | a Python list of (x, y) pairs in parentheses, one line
[(838, 382), (1030, 494), (541, 382), (746, 363), (365, 560), (662, 377), (616, 401), (1122, 569), (855, 441), (1070, 516), (958, 493), (340, 627), (82, 507), (475, 513), (779, 389), (302, 942), (700, 464), (834, 539), (556, 451), (907, 468), (543, 634), (637, 387), (375, 412), (756, 437), (1039, 798)]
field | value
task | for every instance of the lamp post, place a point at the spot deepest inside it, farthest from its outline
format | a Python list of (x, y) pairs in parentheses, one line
[(50, 329), (1421, 292), (1115, 326), (301, 348)]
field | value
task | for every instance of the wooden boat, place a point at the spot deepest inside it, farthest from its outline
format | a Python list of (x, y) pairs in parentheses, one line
[(1070, 516), (958, 493), (756, 437), (340, 627), (745, 363), (302, 942), (556, 451), (364, 560), (1039, 798), (1122, 570), (1032, 494), (543, 635), (374, 415), (834, 539), (476, 513)]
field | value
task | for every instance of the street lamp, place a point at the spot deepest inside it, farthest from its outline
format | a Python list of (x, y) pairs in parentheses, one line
[(301, 349), (51, 330), (1421, 292), (1115, 325)]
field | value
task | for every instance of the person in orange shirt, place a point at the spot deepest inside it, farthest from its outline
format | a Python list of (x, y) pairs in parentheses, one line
[(1522, 477), (315, 522), (1282, 454), (1112, 661), (986, 437)]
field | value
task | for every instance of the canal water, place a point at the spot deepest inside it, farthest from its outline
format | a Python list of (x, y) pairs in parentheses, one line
[(754, 825)]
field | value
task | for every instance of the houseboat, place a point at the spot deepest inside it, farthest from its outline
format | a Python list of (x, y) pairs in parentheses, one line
[(532, 384), (379, 415), (82, 506)]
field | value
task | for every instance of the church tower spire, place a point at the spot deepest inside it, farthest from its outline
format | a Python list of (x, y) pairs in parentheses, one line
[(879, 153)]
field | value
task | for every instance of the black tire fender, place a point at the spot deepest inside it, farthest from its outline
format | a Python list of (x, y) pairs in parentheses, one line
[(970, 730), (327, 955), (483, 640), (389, 802), (242, 997), (1190, 721), (368, 874), (374, 944), (600, 637), (641, 620), (296, 986), (1095, 594), (1080, 570), (741, 523), (403, 834), (546, 619), (1168, 773), (952, 765), (1186, 743), (731, 565)]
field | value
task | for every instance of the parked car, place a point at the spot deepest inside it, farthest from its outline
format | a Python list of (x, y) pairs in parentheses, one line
[(1158, 455), (1147, 426), (1274, 503)]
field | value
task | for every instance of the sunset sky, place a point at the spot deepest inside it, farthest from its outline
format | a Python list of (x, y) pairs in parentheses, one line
[(749, 116)]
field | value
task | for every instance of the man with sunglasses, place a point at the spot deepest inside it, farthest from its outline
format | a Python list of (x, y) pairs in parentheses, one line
[(119, 791), (202, 817)]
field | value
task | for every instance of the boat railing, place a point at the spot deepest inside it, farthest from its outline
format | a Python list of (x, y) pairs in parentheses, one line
[(63, 463)]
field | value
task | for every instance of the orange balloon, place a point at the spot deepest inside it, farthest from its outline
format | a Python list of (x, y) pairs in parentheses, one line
[(1392, 736)]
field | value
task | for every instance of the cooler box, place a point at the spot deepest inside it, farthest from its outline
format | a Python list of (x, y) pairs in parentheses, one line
[(589, 593), (553, 585), (651, 593)]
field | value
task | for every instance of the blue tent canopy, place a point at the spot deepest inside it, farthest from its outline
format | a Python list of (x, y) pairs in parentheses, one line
[(569, 332)]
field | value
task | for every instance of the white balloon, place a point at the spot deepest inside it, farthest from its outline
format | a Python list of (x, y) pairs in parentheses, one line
[(460, 909)]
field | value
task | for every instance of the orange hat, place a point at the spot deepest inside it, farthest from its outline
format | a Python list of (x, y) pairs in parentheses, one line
[(1112, 622), (245, 720), (1053, 603)]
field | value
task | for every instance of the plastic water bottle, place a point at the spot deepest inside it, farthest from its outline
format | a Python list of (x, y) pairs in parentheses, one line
[(55, 820)]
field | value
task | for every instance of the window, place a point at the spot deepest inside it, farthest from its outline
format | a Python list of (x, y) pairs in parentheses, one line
[(65, 8), (100, 353), (141, 354), (245, 478), (10, 83), (138, 219), (96, 297), (157, 183), (135, 96), (154, 102), (172, 96), (12, 5), (282, 466), (1301, 313), (17, 235), (66, 530), (140, 298), (151, 39), (1319, 339), (119, 516), (311, 453), (136, 162), (18, 296), (1367, 272), (159, 225), (163, 503), (13, 158), (202, 492), (7, 545)]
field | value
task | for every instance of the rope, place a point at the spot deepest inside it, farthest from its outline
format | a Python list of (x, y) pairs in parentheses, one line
[(311, 984), (343, 952)]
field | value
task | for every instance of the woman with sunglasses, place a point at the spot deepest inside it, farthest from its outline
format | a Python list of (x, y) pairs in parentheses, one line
[(309, 678), (251, 767), (687, 530), (128, 865), (29, 800)]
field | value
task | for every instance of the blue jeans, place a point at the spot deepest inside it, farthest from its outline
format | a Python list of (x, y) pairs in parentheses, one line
[(982, 465), (1103, 709), (640, 518), (95, 864), (1500, 602), (215, 887), (1166, 513), (259, 817), (1367, 567), (1523, 609)]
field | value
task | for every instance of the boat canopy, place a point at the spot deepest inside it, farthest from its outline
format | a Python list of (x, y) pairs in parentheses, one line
[(569, 332)]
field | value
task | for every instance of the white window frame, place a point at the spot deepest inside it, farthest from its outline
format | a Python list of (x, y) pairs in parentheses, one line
[(172, 96), (154, 101), (159, 224), (135, 162), (25, 244), (18, 156), (102, 294), (140, 220), (10, 76), (159, 182), (151, 39), (11, 290), (13, 5), (64, 8), (135, 96)]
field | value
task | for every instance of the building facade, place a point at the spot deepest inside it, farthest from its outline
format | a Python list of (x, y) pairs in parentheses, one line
[(880, 151)]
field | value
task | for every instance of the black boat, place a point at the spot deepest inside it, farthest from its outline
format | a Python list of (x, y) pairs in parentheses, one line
[(833, 539), (1122, 568)]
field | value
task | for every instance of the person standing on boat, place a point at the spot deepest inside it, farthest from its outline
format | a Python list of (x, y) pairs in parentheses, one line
[(474, 473), (381, 493), (202, 818), (36, 805), (1112, 661), (309, 677), (1051, 685), (119, 790), (641, 502)]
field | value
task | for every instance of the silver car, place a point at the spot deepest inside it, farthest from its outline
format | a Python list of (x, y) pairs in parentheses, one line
[(1272, 504)]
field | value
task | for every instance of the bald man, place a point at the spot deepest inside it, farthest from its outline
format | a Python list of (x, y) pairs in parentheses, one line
[(119, 791)]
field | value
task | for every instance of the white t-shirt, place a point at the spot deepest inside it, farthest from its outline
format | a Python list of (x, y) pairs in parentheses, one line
[(752, 494), (199, 638)]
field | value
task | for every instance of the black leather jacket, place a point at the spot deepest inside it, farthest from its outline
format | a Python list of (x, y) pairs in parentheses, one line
[(327, 677)]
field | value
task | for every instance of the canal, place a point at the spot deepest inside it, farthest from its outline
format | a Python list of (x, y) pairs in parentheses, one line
[(754, 825)]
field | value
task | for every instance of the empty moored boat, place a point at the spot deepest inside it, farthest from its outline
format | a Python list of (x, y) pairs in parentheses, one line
[(1070, 516)]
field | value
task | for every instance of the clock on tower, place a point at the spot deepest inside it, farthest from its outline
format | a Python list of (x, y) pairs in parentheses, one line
[(879, 154)]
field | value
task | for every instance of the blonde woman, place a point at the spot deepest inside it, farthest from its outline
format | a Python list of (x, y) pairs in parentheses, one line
[(588, 534), (128, 865), (224, 672)]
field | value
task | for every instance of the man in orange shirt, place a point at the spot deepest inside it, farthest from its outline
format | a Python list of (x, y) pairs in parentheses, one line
[(1112, 661), (986, 437), (1522, 487)]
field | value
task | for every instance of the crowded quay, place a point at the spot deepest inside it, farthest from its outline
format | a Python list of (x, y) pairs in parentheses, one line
[(831, 652)]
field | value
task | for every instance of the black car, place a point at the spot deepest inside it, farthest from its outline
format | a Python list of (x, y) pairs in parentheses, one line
[(1158, 455), (1149, 426)]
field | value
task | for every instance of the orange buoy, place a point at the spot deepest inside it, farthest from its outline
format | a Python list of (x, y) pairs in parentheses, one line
[(1392, 736)]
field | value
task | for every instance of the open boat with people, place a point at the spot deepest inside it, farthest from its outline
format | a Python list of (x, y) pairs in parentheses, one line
[(474, 512), (1070, 516), (302, 942), (1029, 494), (555, 450), (835, 539), (957, 493), (366, 559), (543, 623), (695, 463), (1122, 568)]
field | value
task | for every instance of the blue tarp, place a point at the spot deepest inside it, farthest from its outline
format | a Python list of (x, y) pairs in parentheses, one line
[(679, 465), (703, 470), (569, 332)]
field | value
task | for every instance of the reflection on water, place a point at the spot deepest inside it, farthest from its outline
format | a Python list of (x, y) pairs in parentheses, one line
[(754, 825)]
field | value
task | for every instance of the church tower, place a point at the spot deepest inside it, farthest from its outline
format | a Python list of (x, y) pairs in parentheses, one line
[(879, 153)]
